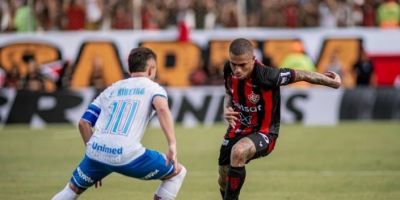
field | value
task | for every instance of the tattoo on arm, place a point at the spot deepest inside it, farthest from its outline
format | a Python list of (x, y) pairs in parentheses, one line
[(316, 78), (228, 101)]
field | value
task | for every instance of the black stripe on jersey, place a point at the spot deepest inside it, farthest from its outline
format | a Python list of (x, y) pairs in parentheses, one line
[(242, 100)]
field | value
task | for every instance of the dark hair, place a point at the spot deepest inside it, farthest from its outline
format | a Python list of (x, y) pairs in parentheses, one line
[(241, 46), (138, 58)]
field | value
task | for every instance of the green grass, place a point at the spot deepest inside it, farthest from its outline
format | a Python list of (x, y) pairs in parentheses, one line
[(349, 161)]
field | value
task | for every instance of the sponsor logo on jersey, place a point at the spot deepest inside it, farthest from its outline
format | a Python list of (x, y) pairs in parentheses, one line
[(246, 120), (253, 98), (247, 108), (106, 149)]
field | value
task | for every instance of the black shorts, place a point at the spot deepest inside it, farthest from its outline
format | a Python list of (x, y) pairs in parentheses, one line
[(264, 143)]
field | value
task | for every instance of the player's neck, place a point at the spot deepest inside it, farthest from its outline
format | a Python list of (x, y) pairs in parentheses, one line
[(139, 74)]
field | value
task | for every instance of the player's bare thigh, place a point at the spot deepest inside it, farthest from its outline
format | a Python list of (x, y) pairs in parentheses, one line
[(242, 151)]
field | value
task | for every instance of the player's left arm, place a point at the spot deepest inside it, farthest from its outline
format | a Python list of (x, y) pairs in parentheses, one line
[(330, 79), (275, 77), (88, 120)]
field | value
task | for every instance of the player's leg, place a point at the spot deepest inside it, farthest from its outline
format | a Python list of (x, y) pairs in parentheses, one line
[(171, 185), (224, 163), (223, 178), (250, 147), (242, 151), (69, 192), (84, 176), (152, 166)]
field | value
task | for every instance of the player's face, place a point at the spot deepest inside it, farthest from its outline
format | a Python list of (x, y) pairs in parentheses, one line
[(152, 68), (241, 65)]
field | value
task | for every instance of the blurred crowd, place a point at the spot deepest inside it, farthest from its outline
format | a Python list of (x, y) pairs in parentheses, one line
[(50, 15), (75, 15)]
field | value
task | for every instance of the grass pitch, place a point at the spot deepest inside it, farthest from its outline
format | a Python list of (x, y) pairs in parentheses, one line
[(348, 161)]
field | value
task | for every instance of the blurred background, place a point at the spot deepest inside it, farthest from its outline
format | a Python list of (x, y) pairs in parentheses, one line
[(56, 56)]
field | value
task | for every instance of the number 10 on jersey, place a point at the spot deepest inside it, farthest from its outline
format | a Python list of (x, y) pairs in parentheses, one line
[(121, 117)]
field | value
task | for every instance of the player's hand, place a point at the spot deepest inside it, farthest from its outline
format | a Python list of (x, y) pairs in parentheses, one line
[(171, 157), (231, 116), (337, 81), (98, 184)]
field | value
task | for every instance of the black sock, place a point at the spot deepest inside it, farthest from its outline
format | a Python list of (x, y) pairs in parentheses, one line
[(236, 177), (222, 193)]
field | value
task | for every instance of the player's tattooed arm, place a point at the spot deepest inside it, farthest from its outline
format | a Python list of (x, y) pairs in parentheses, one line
[(228, 100), (330, 79)]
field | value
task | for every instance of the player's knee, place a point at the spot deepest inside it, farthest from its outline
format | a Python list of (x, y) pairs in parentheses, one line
[(169, 188), (182, 173), (68, 193), (237, 153), (76, 189), (179, 176)]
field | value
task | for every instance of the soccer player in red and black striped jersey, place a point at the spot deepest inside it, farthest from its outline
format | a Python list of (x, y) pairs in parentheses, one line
[(252, 109)]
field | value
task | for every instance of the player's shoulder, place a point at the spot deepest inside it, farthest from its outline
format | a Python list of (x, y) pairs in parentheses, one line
[(152, 86)]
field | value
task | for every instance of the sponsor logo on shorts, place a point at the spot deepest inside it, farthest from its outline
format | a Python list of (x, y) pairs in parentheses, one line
[(84, 176), (265, 137), (225, 142), (151, 174)]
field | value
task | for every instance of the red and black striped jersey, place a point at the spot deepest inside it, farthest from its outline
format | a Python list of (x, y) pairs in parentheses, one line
[(257, 99)]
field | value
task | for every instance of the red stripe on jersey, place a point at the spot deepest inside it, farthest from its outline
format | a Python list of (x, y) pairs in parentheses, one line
[(235, 98), (248, 91), (268, 104)]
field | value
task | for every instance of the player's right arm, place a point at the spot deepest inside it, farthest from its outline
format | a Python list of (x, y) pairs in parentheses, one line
[(160, 104), (229, 114)]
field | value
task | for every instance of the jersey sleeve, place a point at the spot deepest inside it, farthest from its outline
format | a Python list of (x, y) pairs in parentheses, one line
[(273, 77), (158, 91), (93, 111)]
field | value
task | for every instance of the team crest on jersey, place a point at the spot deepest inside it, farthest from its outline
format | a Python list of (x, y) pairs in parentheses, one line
[(253, 98)]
